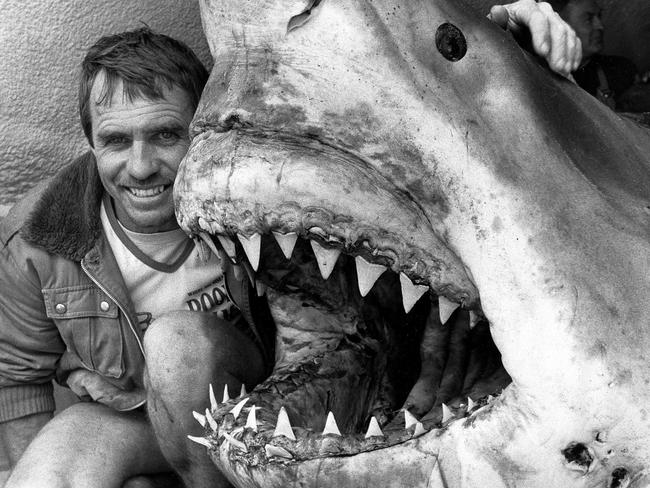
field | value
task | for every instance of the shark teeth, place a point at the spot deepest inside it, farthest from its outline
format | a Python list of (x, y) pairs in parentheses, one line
[(228, 246), (277, 451), (213, 400), (199, 418), (209, 242), (409, 419), (236, 410), (470, 404), (211, 421), (200, 440), (252, 246), (242, 391), (251, 420), (411, 293), (419, 430), (447, 414), (474, 319), (235, 443), (286, 242), (325, 257), (446, 307), (283, 427), (367, 274), (373, 429), (226, 396), (330, 425)]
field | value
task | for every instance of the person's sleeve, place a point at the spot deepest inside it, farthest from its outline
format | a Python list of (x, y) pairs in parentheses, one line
[(30, 345)]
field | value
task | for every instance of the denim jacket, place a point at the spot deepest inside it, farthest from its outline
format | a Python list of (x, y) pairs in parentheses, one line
[(63, 303)]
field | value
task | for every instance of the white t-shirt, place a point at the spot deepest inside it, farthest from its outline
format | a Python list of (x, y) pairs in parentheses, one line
[(163, 272)]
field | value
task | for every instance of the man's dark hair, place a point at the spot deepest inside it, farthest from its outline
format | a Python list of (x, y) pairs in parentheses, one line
[(146, 62)]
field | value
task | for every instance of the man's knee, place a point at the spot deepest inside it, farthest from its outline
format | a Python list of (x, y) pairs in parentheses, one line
[(199, 345)]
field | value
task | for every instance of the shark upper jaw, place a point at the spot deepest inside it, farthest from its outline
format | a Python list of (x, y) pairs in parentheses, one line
[(537, 328)]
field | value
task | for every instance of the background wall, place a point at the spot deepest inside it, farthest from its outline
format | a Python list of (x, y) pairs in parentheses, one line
[(41, 46)]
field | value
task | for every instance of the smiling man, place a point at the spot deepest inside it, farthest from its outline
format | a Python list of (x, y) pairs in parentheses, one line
[(96, 276)]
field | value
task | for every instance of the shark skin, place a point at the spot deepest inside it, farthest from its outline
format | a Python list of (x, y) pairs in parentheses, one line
[(494, 182)]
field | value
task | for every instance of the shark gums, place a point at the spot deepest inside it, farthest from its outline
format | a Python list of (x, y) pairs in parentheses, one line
[(453, 241)]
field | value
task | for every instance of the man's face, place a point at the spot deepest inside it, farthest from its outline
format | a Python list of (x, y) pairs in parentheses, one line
[(139, 145), (584, 17)]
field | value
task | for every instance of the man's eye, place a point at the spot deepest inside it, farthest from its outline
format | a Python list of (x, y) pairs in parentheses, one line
[(167, 136), (115, 141)]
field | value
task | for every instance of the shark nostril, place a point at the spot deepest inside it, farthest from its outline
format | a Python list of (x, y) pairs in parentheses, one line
[(620, 478), (451, 42), (578, 456)]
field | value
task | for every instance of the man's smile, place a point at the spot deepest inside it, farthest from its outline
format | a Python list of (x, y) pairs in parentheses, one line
[(151, 191)]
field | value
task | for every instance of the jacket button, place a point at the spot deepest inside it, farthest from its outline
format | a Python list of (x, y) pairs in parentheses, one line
[(60, 308), (104, 306)]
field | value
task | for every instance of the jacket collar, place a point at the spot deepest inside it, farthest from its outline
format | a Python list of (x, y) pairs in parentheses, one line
[(65, 218)]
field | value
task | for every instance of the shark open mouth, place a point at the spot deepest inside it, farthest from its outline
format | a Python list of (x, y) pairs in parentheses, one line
[(376, 344)]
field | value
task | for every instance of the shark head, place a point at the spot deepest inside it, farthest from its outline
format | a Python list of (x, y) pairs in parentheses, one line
[(377, 164)]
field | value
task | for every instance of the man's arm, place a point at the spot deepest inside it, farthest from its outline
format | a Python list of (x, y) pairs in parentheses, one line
[(551, 37)]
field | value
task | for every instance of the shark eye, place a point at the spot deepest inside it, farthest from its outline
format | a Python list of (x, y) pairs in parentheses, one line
[(451, 42)]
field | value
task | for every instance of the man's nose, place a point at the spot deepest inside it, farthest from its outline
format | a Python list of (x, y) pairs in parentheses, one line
[(142, 160)]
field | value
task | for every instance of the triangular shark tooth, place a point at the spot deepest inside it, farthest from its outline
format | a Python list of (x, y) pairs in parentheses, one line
[(419, 430), (211, 421), (286, 242), (373, 429), (470, 404), (252, 246), (277, 451), (213, 400), (283, 427), (325, 257), (367, 274), (235, 443), (474, 318), (409, 419), (242, 391), (330, 425), (228, 246), (251, 420), (226, 396), (200, 440), (199, 418), (446, 307), (410, 293), (236, 410), (447, 414)]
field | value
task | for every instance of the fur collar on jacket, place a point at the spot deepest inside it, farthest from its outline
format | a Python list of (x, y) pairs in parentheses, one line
[(65, 218)]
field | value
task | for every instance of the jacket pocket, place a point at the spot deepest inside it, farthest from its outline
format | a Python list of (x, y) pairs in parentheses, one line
[(88, 321)]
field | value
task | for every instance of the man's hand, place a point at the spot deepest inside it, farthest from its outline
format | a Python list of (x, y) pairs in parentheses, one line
[(552, 38), (88, 385)]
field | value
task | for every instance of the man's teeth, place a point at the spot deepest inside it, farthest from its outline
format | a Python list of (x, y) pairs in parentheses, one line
[(326, 257), (147, 192)]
